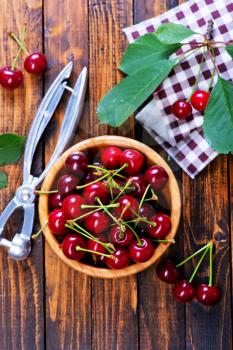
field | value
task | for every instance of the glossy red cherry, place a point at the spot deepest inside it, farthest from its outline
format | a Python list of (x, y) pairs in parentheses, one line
[(141, 253), (183, 291), (167, 271), (97, 247), (67, 184), (72, 206), (57, 221), (55, 200), (110, 157), (119, 260), (133, 159), (96, 190), (129, 202), (76, 163), (200, 99), (182, 109), (69, 247), (208, 295), (162, 228), (97, 222), (139, 184), (157, 177), (35, 63), (120, 238), (10, 78)]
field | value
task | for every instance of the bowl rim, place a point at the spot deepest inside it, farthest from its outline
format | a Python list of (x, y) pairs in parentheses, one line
[(103, 141)]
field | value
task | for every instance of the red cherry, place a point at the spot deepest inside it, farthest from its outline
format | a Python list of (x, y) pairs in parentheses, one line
[(97, 222), (35, 63), (167, 271), (10, 78), (183, 291), (146, 211), (134, 159), (139, 184), (208, 295), (120, 238), (55, 200), (67, 184), (200, 99), (157, 177), (119, 260), (76, 163), (110, 157), (130, 202), (72, 206), (162, 228), (69, 247), (57, 221), (182, 109), (96, 190), (141, 253)]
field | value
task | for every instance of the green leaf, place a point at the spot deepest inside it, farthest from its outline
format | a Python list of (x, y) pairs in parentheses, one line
[(144, 52), (11, 148), (171, 33), (3, 180), (229, 49), (218, 119), (131, 92)]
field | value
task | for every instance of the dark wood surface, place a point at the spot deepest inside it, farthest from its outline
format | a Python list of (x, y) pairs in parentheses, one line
[(43, 303)]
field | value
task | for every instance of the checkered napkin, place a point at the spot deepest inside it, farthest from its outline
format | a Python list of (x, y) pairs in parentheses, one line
[(183, 140)]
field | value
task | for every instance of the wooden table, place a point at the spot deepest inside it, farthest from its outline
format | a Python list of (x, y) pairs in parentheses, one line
[(43, 303)]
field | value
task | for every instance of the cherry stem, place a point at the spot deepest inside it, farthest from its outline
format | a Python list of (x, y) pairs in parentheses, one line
[(213, 72), (198, 75), (143, 197), (20, 42), (78, 248), (211, 265), (105, 170), (212, 57), (194, 254), (87, 206), (84, 215), (152, 223), (45, 192), (135, 234), (107, 212), (37, 234), (198, 264), (20, 48), (123, 189), (172, 241), (189, 52), (92, 182)]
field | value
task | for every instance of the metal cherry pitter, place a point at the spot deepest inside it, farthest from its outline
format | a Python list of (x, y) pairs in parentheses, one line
[(20, 246)]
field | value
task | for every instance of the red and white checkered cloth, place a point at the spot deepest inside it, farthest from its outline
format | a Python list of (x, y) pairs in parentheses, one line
[(183, 140)]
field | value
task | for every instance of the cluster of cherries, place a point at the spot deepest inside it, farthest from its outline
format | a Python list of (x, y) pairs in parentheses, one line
[(182, 109), (109, 212), (36, 62), (183, 289)]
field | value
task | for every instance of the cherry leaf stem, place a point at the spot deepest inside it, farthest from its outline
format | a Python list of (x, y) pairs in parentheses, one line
[(78, 248), (135, 234), (198, 264), (194, 254), (144, 196), (211, 265), (37, 234), (188, 53)]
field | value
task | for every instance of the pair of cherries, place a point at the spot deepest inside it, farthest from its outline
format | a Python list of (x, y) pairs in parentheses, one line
[(12, 77), (182, 109)]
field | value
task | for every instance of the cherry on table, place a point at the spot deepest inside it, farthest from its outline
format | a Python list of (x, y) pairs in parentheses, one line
[(139, 184), (110, 157), (119, 259), (96, 190), (157, 177), (55, 200), (167, 271), (97, 222), (69, 246), (199, 99), (57, 221), (76, 163), (182, 109), (183, 291), (208, 295), (67, 184), (121, 238), (10, 78), (162, 228), (35, 63), (133, 159), (72, 206), (143, 252), (130, 202)]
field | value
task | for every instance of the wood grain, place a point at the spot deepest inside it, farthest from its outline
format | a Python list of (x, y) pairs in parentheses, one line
[(21, 283), (68, 293)]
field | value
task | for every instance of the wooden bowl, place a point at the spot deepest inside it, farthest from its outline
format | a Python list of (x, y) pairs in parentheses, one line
[(171, 193)]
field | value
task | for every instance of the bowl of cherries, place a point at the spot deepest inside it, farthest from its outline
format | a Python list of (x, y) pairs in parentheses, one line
[(109, 207)]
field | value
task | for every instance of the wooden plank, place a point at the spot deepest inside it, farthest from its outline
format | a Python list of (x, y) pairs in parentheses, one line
[(156, 304), (21, 283), (68, 294), (114, 303)]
